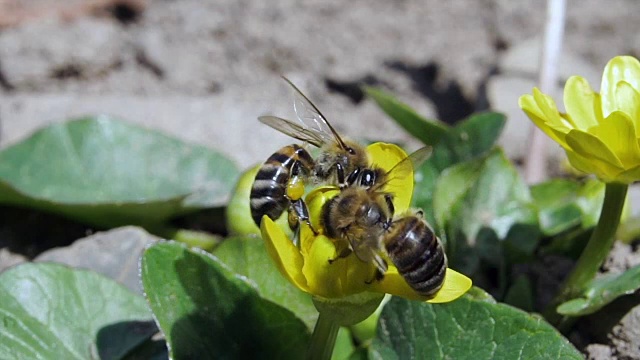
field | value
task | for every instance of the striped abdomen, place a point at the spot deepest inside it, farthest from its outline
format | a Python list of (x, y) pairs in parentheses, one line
[(269, 189), (418, 254)]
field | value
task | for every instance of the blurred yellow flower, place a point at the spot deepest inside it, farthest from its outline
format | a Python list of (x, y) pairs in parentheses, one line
[(599, 132), (308, 266)]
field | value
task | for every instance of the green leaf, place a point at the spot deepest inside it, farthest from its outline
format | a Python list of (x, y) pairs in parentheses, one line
[(453, 186), (470, 139), (589, 199), (424, 187), (494, 197), (601, 292), (477, 194), (564, 204), (50, 311), (428, 131), (465, 329), (108, 173), (247, 256), (520, 294), (207, 311)]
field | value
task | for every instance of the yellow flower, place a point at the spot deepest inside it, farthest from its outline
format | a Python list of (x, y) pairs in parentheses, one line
[(599, 132), (308, 266)]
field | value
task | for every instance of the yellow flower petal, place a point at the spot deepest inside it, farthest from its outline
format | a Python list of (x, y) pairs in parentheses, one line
[(386, 156), (320, 275), (285, 255), (530, 107), (394, 284), (340, 277), (590, 147), (549, 109), (620, 68), (617, 131), (628, 176), (455, 285), (584, 166), (628, 101), (316, 200), (582, 103)]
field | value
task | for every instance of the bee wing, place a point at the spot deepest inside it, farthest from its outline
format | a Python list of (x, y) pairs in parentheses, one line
[(294, 130), (407, 166), (311, 118)]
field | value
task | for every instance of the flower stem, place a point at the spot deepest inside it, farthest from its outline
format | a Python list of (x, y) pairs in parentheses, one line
[(323, 338), (595, 252)]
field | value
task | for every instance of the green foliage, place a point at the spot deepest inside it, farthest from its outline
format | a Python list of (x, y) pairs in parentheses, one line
[(206, 311), (478, 203), (109, 173), (564, 204), (247, 256), (602, 291), (465, 329), (428, 131), (50, 311), (234, 302), (470, 139)]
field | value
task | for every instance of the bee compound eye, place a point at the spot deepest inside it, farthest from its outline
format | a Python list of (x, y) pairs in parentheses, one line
[(351, 151), (373, 216)]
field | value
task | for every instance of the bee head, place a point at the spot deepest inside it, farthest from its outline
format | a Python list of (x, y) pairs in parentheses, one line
[(355, 156)]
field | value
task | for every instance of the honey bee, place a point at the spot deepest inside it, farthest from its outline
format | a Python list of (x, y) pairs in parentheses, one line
[(364, 217), (279, 184)]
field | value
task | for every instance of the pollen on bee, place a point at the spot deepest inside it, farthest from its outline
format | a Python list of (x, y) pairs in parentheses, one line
[(295, 189)]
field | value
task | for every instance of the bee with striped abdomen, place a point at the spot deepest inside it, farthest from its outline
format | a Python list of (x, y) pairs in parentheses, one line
[(279, 184), (363, 215)]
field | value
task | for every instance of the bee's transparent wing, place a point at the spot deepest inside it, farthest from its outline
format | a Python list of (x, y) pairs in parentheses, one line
[(407, 166), (294, 130), (311, 117)]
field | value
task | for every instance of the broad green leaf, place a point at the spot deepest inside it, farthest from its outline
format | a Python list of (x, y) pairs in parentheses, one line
[(424, 186), (601, 292), (470, 139), (477, 194), (456, 181), (564, 204), (50, 311), (493, 195), (465, 329), (520, 294), (205, 310), (428, 131), (590, 198), (247, 256), (108, 173)]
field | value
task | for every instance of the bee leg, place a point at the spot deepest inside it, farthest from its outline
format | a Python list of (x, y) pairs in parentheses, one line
[(294, 225), (420, 213), (388, 198), (342, 183), (381, 269), (301, 211), (343, 254), (353, 177)]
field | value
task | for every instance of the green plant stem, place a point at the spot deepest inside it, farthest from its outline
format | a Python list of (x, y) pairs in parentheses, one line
[(594, 253), (323, 338)]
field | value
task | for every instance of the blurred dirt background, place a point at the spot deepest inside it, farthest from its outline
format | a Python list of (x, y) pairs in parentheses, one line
[(203, 71)]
